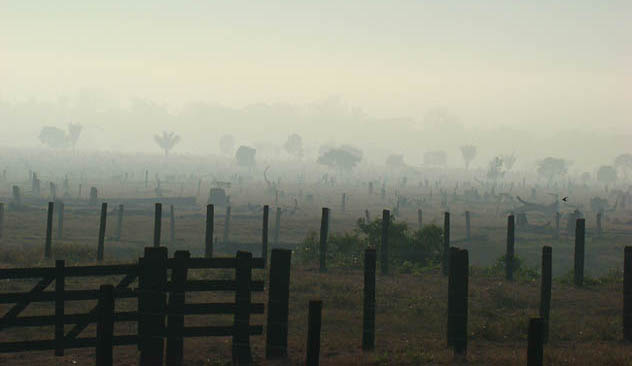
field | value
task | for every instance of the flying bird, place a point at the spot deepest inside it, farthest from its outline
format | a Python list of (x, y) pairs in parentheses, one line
[(565, 199)]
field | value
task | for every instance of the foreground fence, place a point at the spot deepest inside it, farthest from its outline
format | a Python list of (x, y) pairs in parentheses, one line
[(161, 306)]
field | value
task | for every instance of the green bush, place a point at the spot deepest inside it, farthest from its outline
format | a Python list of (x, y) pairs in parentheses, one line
[(520, 270)]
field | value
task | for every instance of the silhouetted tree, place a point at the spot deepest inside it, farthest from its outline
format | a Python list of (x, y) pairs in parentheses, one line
[(53, 137), (469, 153), (509, 161), (344, 158), (227, 145), (552, 167), (294, 145), (74, 131), (607, 174), (624, 163), (167, 141), (495, 169), (245, 156)]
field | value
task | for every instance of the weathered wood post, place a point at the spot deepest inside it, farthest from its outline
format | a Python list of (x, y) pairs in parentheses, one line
[(60, 274), (420, 219), (1, 220), (458, 300), (264, 236), (105, 326), (556, 234), (344, 202), (368, 313), (226, 225), (152, 305), (278, 304), (580, 227), (119, 222), (48, 252), (60, 220), (93, 196), (509, 254), (324, 230), (175, 320), (599, 230), (277, 226), (208, 234), (53, 191), (627, 294), (241, 326), (101, 246), (545, 290), (446, 243), (313, 332), (157, 224), (467, 226), (386, 221), (172, 225), (17, 197), (367, 216), (534, 348)]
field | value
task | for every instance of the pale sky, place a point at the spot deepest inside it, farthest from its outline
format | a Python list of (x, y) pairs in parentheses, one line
[(543, 63)]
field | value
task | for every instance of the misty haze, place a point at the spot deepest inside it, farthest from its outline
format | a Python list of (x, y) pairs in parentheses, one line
[(357, 183)]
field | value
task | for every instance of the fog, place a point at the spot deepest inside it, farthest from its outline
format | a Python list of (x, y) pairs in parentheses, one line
[(405, 77)]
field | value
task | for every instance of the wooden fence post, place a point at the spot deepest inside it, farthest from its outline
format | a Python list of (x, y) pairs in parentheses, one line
[(17, 197), (627, 294), (119, 222), (175, 320), (599, 230), (1, 220), (241, 325), (172, 224), (446, 243), (59, 306), (157, 224), (152, 305), (313, 332), (226, 225), (509, 254), (368, 313), (534, 348), (467, 226), (101, 246), (278, 304), (105, 326), (580, 227), (264, 236), (386, 221), (458, 300), (344, 202), (93, 196), (49, 231), (545, 290), (277, 226), (419, 219), (208, 234), (324, 229), (60, 219)]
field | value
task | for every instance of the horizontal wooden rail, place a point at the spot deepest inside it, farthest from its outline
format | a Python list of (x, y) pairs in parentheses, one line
[(219, 308), (43, 320), (215, 285), (69, 295), (49, 344)]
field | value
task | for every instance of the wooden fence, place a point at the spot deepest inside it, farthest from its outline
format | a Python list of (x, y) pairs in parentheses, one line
[(161, 305)]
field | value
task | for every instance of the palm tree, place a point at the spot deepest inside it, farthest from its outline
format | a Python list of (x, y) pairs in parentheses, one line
[(167, 141)]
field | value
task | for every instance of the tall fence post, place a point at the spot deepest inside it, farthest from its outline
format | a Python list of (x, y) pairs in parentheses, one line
[(105, 326), (226, 225), (264, 236), (509, 254), (446, 243), (467, 226), (599, 229), (580, 227), (420, 219), (344, 202), (458, 300), (313, 332), (627, 294), (241, 335), (60, 220), (101, 246), (208, 234), (59, 306), (152, 305), (119, 222), (534, 348), (278, 304), (545, 290), (386, 221), (324, 230), (175, 320), (157, 224), (277, 226), (48, 250), (172, 225), (368, 312)]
